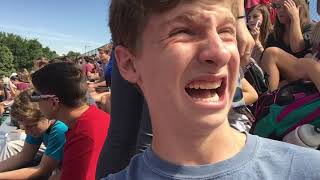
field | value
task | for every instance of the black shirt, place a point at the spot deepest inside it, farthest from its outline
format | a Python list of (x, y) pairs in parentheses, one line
[(306, 32)]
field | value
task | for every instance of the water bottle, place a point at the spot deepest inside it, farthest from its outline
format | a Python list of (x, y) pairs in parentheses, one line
[(306, 135)]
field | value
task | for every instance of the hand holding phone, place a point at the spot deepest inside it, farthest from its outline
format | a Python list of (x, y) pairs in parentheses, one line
[(257, 24)]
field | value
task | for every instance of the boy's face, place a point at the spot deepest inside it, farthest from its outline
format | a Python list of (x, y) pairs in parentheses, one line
[(35, 128), (104, 56), (188, 63)]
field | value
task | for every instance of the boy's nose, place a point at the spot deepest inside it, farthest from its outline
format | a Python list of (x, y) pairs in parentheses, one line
[(214, 51)]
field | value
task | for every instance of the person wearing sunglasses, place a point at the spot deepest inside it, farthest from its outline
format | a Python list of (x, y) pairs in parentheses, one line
[(39, 130), (290, 40), (61, 90)]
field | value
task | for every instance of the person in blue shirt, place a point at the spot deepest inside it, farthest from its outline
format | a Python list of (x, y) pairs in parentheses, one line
[(184, 57), (39, 130), (108, 68)]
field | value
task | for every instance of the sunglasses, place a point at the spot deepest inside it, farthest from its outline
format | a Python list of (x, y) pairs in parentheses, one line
[(36, 96)]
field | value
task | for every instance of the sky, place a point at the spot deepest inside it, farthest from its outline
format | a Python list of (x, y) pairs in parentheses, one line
[(62, 25)]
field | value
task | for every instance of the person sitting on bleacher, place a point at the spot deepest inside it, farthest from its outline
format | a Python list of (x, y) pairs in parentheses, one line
[(290, 40), (260, 26), (39, 130)]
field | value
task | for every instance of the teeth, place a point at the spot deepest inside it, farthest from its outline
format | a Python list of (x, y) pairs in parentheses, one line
[(214, 98), (205, 85)]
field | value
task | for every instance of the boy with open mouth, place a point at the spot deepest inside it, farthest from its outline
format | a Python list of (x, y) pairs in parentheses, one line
[(183, 56)]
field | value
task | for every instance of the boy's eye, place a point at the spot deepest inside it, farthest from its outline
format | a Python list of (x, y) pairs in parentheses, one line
[(230, 31), (181, 31)]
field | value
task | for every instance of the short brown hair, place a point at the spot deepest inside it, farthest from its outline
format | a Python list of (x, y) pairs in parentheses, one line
[(127, 18), (24, 109), (63, 79)]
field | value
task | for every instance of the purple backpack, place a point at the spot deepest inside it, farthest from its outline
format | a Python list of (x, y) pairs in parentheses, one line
[(286, 95)]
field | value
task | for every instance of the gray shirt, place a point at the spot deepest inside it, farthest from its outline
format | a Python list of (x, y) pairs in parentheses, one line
[(259, 159)]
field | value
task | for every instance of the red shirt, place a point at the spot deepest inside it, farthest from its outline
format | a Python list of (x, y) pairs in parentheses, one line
[(83, 145), (23, 86), (87, 68)]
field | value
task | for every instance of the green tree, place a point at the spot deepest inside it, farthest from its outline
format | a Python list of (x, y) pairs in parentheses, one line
[(6, 61), (24, 51), (73, 55), (46, 52)]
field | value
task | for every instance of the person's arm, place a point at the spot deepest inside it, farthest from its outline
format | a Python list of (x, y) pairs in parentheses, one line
[(250, 95), (297, 43), (97, 97), (26, 155), (102, 83), (13, 89), (244, 38), (43, 170), (94, 85)]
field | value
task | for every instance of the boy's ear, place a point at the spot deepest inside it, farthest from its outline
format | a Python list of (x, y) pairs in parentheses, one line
[(125, 61), (55, 102)]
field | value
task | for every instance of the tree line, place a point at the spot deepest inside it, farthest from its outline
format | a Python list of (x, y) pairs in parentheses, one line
[(17, 53)]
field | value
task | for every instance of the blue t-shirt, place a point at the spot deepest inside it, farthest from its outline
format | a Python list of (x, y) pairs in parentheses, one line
[(53, 139), (259, 159), (108, 68)]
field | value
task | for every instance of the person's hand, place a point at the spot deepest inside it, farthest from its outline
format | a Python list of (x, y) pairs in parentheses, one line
[(245, 41), (255, 33), (292, 10)]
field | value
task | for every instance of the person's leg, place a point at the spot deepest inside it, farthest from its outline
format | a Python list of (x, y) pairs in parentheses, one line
[(276, 62), (307, 68), (120, 145)]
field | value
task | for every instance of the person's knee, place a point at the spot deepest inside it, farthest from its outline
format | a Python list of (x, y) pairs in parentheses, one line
[(269, 57), (270, 53)]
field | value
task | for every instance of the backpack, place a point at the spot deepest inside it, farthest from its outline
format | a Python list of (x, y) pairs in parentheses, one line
[(281, 111), (255, 76), (283, 96)]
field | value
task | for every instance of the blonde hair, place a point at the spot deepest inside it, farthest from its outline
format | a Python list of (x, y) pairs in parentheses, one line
[(24, 76), (24, 109)]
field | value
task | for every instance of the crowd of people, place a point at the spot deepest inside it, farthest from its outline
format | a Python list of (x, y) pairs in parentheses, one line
[(169, 104), (60, 123)]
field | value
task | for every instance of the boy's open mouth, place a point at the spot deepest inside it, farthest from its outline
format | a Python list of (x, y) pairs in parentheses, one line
[(206, 91)]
